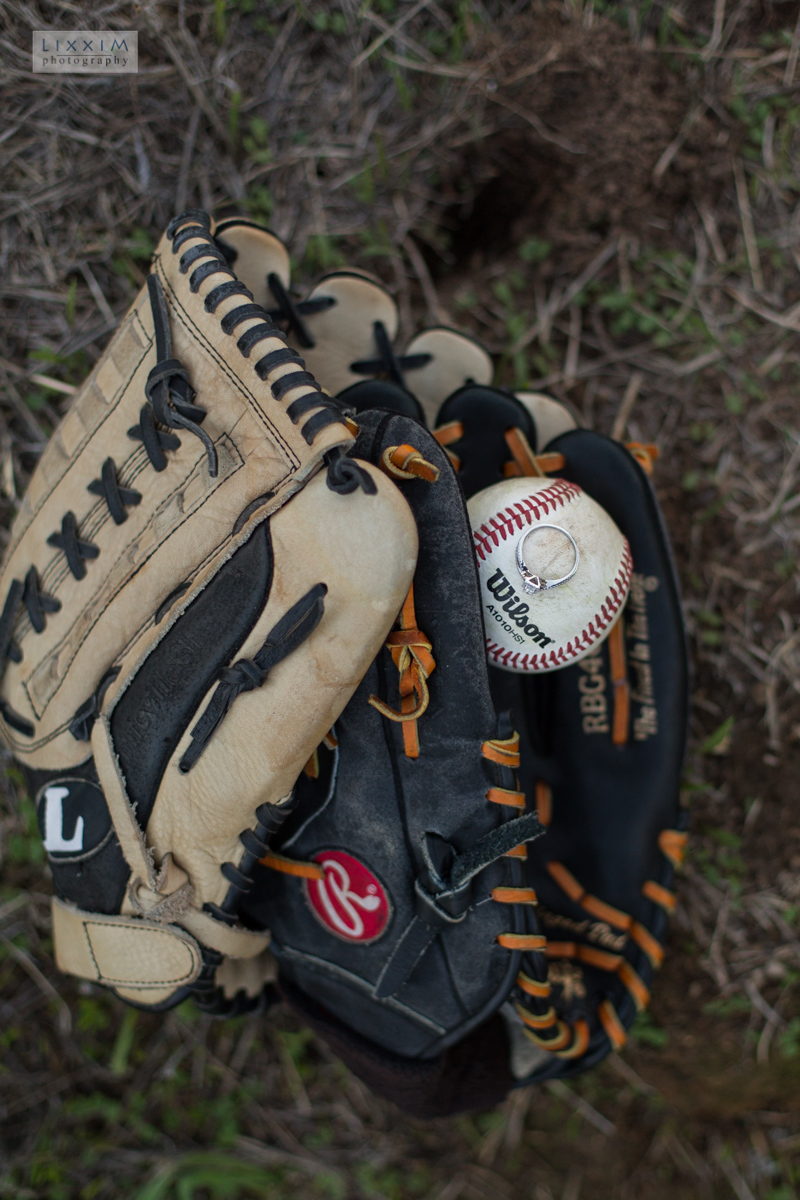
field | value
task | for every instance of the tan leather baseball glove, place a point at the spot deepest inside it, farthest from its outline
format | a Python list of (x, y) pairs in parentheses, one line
[(196, 581)]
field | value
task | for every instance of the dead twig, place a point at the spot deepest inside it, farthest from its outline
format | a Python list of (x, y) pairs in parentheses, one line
[(748, 229), (45, 986), (559, 1089), (626, 407)]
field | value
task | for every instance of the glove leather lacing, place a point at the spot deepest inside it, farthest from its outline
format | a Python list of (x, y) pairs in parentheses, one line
[(672, 843), (405, 462), (410, 649), (249, 673), (316, 409), (561, 1036), (246, 674), (205, 992), (170, 406), (169, 396), (195, 225), (387, 364), (531, 998), (411, 653)]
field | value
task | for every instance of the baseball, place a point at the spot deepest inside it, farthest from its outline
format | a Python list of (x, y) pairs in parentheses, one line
[(554, 572)]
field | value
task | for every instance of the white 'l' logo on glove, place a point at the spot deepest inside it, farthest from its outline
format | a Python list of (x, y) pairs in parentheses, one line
[(54, 839)]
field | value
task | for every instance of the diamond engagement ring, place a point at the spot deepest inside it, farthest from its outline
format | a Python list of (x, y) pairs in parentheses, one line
[(531, 583)]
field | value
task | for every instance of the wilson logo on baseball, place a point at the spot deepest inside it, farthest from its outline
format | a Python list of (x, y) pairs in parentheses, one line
[(348, 900), (554, 572)]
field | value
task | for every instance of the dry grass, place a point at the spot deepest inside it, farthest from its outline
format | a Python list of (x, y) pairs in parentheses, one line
[(608, 197)]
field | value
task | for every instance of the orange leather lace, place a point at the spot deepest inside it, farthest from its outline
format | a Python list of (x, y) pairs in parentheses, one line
[(620, 721), (405, 462), (672, 843), (541, 1024), (524, 461), (645, 454), (292, 866), (411, 653)]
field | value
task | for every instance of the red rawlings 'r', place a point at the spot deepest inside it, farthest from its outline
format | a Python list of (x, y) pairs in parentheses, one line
[(349, 900)]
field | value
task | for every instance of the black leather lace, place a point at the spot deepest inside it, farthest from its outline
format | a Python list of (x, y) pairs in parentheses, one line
[(207, 260), (170, 406), (387, 364), (269, 818), (168, 388), (249, 673), (82, 723), (293, 311), (155, 440), (116, 497), (37, 603), (76, 550), (444, 893)]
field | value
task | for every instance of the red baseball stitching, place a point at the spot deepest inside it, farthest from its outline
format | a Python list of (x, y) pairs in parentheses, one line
[(532, 508), (589, 635)]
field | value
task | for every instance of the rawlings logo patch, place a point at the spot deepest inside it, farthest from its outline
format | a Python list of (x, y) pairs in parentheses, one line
[(349, 900)]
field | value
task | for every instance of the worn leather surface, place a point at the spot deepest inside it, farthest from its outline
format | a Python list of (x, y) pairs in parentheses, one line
[(550, 416), (269, 733), (609, 802), (197, 817), (135, 956), (378, 805), (194, 580), (455, 360), (343, 334), (141, 562)]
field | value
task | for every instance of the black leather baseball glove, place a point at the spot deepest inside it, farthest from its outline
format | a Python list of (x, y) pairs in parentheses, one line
[(396, 896), (602, 746)]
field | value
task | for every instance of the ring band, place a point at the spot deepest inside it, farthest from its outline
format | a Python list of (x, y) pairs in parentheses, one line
[(531, 583)]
